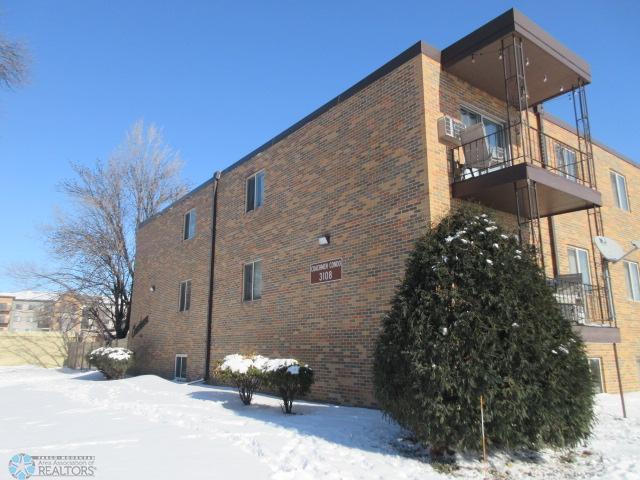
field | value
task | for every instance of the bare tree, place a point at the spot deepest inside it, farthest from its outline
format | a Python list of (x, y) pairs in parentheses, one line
[(13, 63), (94, 244)]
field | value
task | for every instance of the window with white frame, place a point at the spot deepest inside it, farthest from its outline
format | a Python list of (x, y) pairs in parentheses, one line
[(632, 275), (579, 263), (595, 367), (185, 296), (566, 162), (180, 370), (189, 229), (619, 186), (255, 191), (252, 289)]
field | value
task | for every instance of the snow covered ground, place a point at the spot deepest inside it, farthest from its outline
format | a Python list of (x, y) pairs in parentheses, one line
[(147, 427)]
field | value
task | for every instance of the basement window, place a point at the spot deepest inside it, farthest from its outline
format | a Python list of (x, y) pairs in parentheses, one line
[(252, 289), (255, 191), (189, 230), (595, 367), (180, 369), (185, 296), (632, 274)]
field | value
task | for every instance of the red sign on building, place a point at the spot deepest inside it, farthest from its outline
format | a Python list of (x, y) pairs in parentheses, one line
[(328, 271)]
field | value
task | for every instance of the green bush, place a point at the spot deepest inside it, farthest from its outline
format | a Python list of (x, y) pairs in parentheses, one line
[(284, 375), (246, 372), (474, 316), (290, 379), (113, 362)]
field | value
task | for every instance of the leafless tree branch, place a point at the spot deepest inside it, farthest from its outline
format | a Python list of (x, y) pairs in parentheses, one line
[(94, 244)]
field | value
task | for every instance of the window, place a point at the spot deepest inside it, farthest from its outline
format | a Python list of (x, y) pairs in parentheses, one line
[(189, 230), (255, 191), (494, 130), (17, 306), (619, 185), (4, 307), (595, 368), (252, 281), (180, 371), (566, 162), (632, 275), (185, 295), (4, 318), (579, 263)]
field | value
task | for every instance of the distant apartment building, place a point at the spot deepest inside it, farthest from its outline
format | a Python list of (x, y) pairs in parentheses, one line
[(296, 249), (30, 311)]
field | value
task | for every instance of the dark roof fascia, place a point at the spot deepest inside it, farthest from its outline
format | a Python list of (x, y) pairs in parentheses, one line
[(176, 202), (486, 34), (533, 32), (411, 52), (563, 124), (408, 54), (514, 21)]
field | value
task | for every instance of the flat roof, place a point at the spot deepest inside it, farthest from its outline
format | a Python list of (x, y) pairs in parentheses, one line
[(551, 67)]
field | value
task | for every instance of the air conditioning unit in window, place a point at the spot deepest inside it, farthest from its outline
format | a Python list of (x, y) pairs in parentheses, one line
[(449, 130)]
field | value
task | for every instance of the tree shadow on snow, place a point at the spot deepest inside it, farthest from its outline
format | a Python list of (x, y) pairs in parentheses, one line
[(353, 427)]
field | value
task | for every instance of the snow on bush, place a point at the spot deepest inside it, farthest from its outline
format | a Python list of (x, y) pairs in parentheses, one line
[(475, 317), (284, 375), (245, 371), (113, 362)]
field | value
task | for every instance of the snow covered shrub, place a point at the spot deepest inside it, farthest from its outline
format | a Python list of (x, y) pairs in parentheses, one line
[(474, 316), (246, 372), (290, 379), (113, 362)]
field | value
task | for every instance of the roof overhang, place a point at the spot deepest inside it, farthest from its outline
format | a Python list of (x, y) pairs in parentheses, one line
[(556, 194), (552, 69)]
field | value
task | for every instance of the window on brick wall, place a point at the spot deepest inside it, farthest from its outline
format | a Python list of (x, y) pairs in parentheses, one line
[(180, 370), (566, 162), (494, 130), (579, 263), (595, 367), (632, 275), (255, 191), (185, 296), (252, 281), (619, 186), (189, 229)]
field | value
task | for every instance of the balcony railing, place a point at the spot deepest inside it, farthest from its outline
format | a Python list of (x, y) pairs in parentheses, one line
[(482, 153), (580, 303)]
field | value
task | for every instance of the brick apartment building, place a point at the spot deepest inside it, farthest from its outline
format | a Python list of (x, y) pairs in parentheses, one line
[(296, 249)]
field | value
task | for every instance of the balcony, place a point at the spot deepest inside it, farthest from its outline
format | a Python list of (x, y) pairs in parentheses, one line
[(494, 169), (585, 306)]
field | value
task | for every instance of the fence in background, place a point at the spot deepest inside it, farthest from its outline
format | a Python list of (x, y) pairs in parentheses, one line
[(48, 349)]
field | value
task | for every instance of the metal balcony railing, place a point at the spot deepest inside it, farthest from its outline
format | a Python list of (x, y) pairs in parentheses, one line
[(580, 303), (481, 153)]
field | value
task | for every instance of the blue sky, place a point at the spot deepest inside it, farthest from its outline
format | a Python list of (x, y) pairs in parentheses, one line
[(221, 78)]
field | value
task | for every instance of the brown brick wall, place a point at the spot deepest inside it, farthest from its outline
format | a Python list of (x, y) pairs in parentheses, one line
[(164, 260), (357, 173)]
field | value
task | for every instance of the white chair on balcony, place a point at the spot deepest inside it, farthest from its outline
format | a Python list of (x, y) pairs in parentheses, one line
[(479, 154)]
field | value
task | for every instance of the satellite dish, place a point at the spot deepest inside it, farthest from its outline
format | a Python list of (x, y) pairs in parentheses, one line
[(609, 248)]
